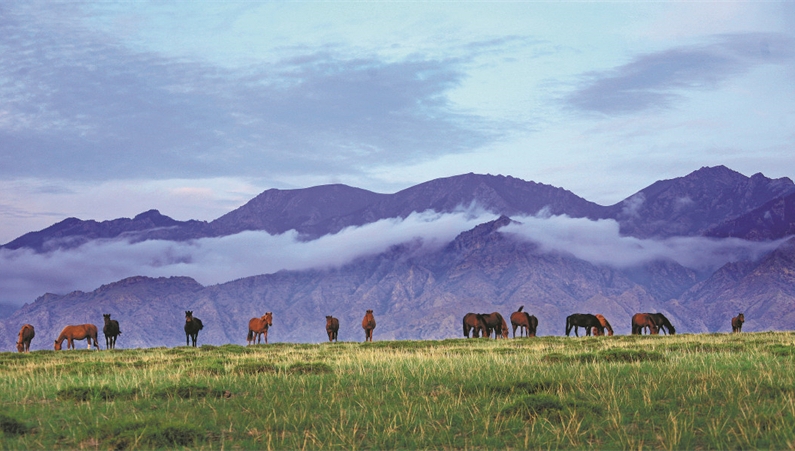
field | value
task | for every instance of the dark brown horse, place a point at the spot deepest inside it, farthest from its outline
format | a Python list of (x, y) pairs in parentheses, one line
[(26, 334), (496, 323), (258, 328), (368, 324), (737, 323), (663, 325), (526, 323), (192, 328), (605, 325), (585, 320), (111, 331), (474, 322), (332, 327), (86, 332), (641, 321)]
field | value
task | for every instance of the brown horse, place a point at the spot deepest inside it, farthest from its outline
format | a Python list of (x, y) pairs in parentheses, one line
[(86, 332), (737, 323), (495, 322), (474, 322), (663, 325), (111, 331), (332, 327), (26, 334), (368, 324), (605, 325), (192, 328), (585, 320), (258, 328), (641, 321), (526, 323)]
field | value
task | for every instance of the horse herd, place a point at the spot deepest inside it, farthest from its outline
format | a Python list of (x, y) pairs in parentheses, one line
[(476, 324)]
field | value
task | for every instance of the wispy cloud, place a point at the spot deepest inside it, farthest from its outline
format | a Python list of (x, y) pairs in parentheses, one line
[(657, 80), (76, 104)]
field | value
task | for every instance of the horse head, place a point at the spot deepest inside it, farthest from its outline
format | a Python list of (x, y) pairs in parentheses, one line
[(188, 315), (268, 318)]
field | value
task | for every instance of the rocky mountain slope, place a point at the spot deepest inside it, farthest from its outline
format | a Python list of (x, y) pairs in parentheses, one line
[(418, 293)]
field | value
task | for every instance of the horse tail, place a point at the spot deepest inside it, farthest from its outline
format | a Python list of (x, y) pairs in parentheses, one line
[(466, 332), (201, 326), (520, 308), (568, 325), (250, 335)]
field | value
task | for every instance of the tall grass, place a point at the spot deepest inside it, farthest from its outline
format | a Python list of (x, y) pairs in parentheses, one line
[(680, 392)]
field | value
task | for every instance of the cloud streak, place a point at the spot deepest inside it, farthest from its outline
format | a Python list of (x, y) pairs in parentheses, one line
[(76, 104), (657, 80)]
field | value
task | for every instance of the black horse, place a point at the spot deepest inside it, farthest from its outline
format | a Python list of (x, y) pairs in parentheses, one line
[(662, 323), (111, 331), (192, 328), (585, 320)]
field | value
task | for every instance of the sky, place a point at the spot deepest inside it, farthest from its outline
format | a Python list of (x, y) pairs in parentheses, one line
[(109, 109)]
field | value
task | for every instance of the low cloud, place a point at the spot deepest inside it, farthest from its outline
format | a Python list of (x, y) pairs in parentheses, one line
[(599, 242), (25, 275)]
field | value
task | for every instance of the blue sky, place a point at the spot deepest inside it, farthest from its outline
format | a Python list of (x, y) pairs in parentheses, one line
[(110, 109)]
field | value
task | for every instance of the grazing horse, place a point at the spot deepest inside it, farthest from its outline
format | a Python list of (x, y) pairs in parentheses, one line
[(585, 320), (258, 328), (662, 323), (526, 323), (192, 328), (111, 331), (86, 332), (605, 325), (737, 323), (474, 322), (368, 324), (332, 327), (26, 334), (641, 321), (495, 322)]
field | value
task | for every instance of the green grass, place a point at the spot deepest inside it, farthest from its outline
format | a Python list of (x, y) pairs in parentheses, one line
[(658, 392)]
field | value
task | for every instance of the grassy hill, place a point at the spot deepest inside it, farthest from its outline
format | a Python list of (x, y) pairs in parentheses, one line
[(679, 392)]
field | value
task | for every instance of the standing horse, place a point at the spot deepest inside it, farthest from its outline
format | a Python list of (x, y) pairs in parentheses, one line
[(737, 323), (192, 328), (605, 325), (474, 322), (332, 327), (111, 331), (86, 332), (641, 321), (495, 322), (258, 327), (662, 323), (585, 320), (368, 324), (526, 323), (26, 334)]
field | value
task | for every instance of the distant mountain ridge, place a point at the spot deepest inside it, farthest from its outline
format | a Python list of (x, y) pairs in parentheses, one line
[(704, 201), (423, 295)]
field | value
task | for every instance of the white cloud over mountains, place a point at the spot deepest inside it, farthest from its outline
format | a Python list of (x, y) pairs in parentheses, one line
[(25, 275)]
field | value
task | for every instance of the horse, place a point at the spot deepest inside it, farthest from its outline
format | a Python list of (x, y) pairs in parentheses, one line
[(474, 322), (605, 325), (494, 321), (368, 324), (86, 332), (111, 331), (585, 320), (526, 323), (662, 323), (258, 328), (332, 327), (737, 323), (192, 328), (26, 334), (641, 321)]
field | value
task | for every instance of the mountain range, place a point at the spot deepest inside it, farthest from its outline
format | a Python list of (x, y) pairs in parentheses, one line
[(419, 292)]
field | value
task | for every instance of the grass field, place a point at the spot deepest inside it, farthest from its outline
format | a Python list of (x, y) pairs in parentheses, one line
[(658, 392)]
